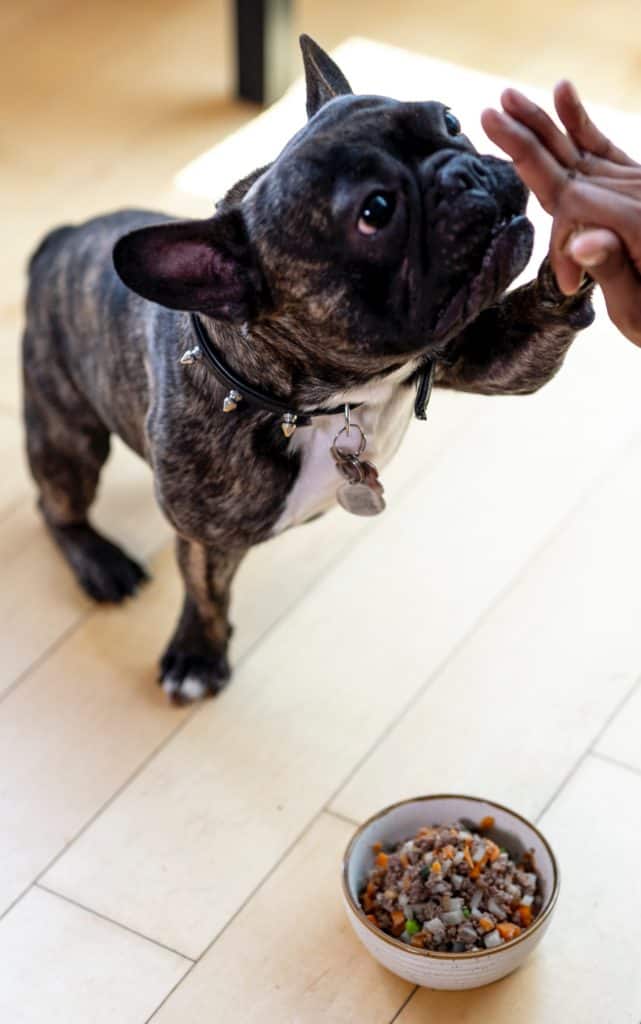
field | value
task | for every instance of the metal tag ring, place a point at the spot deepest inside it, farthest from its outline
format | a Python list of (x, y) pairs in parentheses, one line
[(346, 451)]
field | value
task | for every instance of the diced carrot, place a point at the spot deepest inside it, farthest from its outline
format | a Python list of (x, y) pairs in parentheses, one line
[(436, 865), (468, 856), (368, 897), (377, 847), (508, 931), (404, 859), (525, 915), (487, 822), (448, 851), (478, 867), (485, 924), (419, 940), (373, 918), (381, 860), (398, 922), (493, 851)]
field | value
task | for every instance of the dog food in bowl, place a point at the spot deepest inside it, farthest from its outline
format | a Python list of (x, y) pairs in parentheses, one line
[(449, 889)]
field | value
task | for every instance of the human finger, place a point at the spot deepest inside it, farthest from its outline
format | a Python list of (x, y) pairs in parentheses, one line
[(602, 253), (583, 203), (538, 121), (582, 129), (534, 163)]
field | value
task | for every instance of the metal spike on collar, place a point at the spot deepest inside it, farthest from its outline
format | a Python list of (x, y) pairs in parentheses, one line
[(190, 356), (288, 424), (231, 400)]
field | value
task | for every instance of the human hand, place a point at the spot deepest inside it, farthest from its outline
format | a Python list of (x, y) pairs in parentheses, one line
[(591, 188)]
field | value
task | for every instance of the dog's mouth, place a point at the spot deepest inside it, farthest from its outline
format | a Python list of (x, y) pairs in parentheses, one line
[(506, 255)]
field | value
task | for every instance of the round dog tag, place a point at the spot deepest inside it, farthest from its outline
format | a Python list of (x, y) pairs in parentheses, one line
[(360, 500)]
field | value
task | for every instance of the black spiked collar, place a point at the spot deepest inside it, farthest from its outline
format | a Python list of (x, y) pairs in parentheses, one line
[(240, 390)]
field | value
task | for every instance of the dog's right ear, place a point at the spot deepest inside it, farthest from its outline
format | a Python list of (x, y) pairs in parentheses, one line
[(204, 266), (324, 78)]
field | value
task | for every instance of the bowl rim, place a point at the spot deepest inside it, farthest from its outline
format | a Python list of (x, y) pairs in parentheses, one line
[(428, 953)]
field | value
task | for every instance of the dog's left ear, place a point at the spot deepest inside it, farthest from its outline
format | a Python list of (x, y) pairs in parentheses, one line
[(204, 266), (324, 79)]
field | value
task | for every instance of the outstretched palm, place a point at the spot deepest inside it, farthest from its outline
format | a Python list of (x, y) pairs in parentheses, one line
[(591, 188)]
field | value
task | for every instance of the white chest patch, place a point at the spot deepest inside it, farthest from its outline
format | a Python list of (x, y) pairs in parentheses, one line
[(384, 414)]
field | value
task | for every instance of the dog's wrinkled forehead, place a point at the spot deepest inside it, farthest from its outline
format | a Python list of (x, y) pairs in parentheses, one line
[(409, 130), (349, 133)]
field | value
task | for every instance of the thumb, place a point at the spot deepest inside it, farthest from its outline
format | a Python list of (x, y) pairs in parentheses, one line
[(602, 254), (597, 247)]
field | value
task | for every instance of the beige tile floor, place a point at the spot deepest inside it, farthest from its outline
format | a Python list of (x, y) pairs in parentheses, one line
[(180, 866)]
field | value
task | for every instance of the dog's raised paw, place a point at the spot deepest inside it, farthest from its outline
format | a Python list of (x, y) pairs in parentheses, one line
[(186, 678)]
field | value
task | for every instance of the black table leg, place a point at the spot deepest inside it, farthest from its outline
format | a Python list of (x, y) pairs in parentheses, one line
[(263, 48)]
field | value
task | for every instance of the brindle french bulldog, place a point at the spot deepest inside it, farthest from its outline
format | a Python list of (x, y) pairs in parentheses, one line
[(378, 244)]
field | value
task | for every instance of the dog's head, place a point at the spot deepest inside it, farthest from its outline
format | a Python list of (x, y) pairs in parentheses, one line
[(379, 228)]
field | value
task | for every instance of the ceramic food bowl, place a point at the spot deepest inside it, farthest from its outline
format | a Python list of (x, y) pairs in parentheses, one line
[(447, 970)]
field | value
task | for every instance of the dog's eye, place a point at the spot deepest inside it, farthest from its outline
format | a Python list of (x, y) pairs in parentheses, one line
[(452, 123), (376, 212)]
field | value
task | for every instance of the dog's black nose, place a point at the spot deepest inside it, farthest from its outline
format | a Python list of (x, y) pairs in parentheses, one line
[(462, 171)]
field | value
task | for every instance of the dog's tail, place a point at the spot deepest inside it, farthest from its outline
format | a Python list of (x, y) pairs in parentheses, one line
[(46, 244)]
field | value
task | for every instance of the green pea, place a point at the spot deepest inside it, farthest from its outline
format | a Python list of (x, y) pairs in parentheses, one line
[(466, 912), (412, 927)]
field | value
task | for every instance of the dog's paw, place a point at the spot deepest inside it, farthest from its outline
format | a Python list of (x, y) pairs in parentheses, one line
[(186, 678), (576, 309), (112, 577), (102, 569)]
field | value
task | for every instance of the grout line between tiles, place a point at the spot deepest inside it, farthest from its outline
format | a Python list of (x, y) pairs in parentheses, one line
[(342, 817), (93, 609), (589, 749), (103, 807), (403, 1005), (51, 649), (613, 760), (595, 485), (259, 885), (263, 881), (567, 778), (111, 920)]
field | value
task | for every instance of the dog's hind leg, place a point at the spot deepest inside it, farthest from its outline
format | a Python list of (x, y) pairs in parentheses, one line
[(67, 445), (195, 662)]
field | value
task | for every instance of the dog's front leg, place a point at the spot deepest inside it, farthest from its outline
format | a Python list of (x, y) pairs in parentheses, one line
[(195, 662), (518, 345)]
